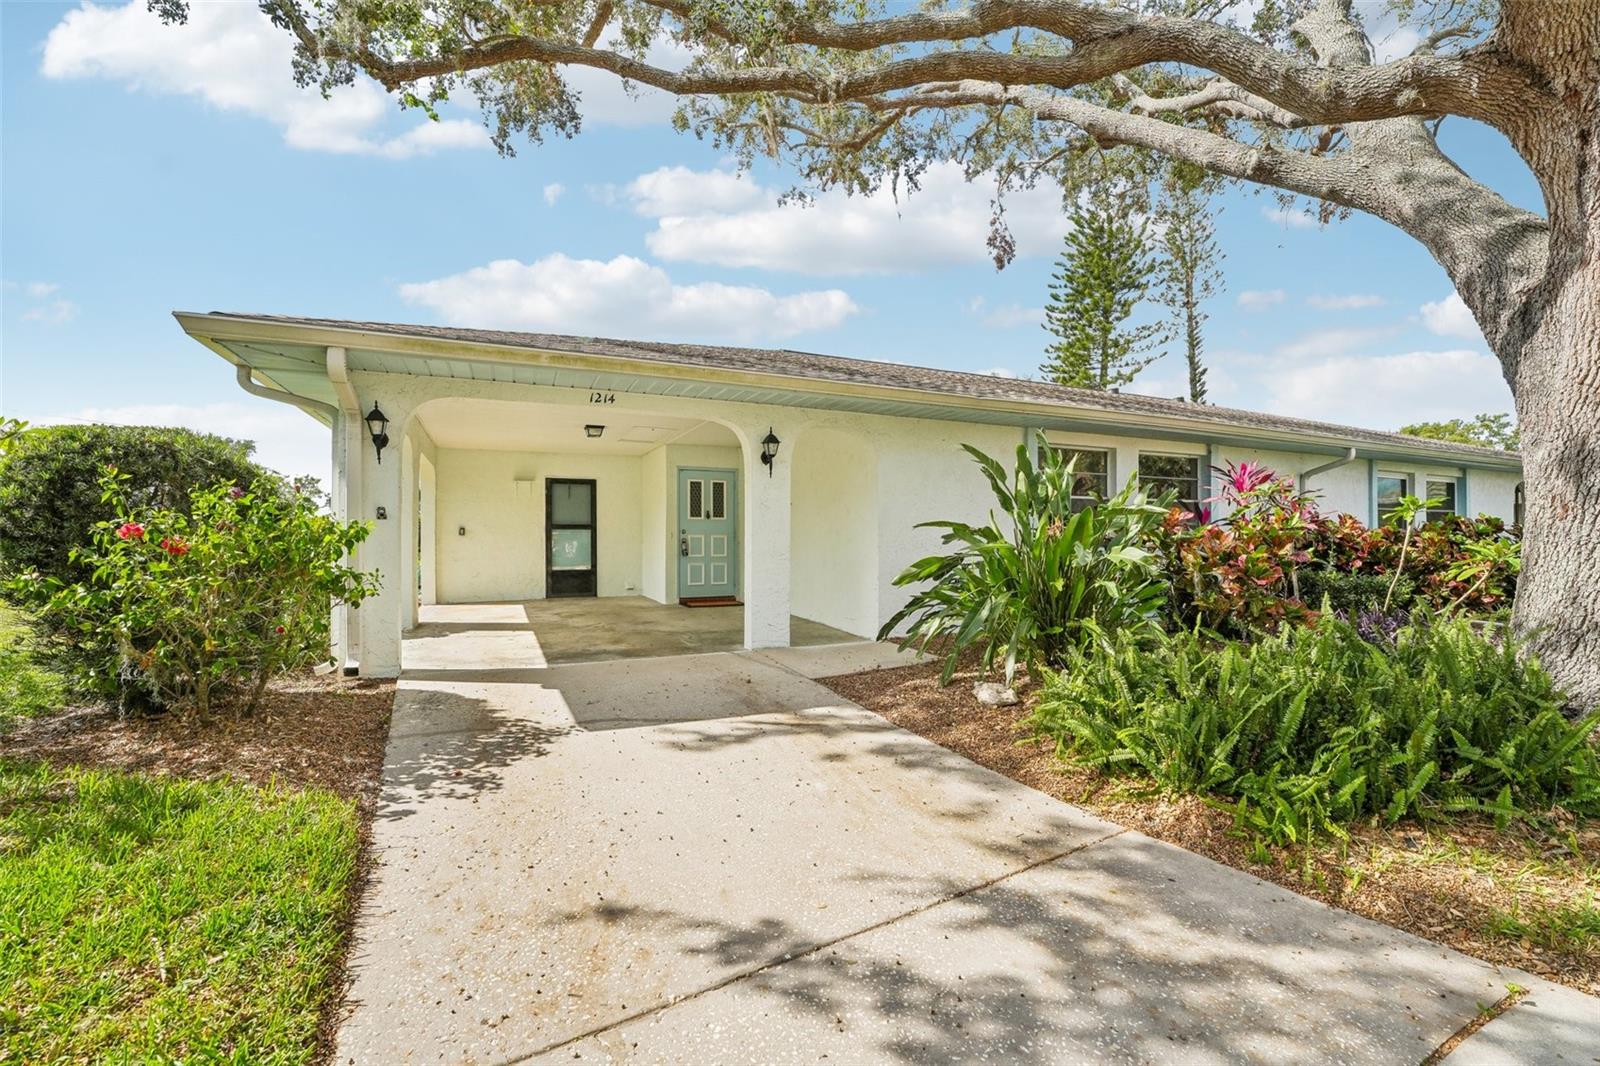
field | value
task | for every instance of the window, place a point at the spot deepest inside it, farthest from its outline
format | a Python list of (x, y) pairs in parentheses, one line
[(1091, 482), (1158, 473), (1445, 491), (1517, 503), (1391, 488)]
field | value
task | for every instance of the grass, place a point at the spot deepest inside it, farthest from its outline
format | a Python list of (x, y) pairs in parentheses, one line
[(155, 920), (26, 689), (1571, 926)]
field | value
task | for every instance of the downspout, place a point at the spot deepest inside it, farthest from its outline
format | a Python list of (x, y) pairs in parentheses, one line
[(1307, 475), (247, 383), (347, 487)]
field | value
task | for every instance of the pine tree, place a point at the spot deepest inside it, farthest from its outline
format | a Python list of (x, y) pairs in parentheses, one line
[(1190, 272), (1106, 268)]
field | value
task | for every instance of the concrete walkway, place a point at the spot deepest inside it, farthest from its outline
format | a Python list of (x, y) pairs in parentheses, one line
[(711, 858)]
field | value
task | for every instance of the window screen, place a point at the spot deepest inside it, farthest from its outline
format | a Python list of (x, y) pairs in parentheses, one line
[(571, 504), (719, 499), (697, 499), (1391, 488), (1445, 491), (1091, 481), (1180, 473)]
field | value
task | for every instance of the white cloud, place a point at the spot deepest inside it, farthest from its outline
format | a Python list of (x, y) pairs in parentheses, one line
[(1326, 343), (231, 56), (552, 193), (1390, 390), (670, 192), (1000, 372), (721, 218), (1347, 302), (1449, 317), (289, 441), (622, 297), (1284, 216), (1260, 299), (51, 312), (1005, 316), (41, 304)]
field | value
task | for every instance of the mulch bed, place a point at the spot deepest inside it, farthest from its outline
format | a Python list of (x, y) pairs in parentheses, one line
[(308, 732), (1441, 882)]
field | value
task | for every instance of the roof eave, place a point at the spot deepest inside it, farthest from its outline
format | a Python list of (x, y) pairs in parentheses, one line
[(210, 328)]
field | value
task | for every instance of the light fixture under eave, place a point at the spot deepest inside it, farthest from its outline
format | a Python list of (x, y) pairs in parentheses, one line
[(593, 430)]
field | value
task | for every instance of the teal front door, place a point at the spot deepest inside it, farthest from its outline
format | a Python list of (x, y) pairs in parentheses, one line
[(708, 534)]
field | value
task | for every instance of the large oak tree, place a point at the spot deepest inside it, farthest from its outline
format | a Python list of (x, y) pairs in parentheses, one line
[(860, 92)]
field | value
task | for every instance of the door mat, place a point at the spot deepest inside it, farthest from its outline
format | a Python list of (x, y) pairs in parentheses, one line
[(709, 601)]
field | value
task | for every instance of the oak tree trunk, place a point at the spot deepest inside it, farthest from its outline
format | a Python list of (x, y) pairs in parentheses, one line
[(1557, 383)]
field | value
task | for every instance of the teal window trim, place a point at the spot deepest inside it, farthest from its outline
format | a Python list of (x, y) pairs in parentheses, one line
[(1206, 491), (1462, 507), (1372, 493)]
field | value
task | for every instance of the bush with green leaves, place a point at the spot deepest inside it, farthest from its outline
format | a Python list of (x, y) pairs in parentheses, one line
[(213, 600), (1350, 593), (1314, 727), (50, 485), (1030, 586)]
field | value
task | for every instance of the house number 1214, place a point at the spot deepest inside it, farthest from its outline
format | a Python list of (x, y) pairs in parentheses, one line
[(602, 397)]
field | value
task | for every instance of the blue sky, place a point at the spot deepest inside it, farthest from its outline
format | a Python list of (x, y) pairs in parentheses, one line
[(147, 169)]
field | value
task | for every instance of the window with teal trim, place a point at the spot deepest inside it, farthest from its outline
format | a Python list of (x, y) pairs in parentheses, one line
[(1392, 488), (1445, 492)]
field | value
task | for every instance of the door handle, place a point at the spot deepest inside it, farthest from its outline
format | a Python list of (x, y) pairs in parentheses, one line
[(683, 542)]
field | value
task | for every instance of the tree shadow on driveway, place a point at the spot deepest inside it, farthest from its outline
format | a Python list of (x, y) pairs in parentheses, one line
[(1126, 951)]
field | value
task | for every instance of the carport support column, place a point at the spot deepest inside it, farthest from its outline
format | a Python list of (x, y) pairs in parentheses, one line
[(766, 543), (382, 616)]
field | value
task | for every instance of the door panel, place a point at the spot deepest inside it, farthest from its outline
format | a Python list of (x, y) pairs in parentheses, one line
[(708, 533), (570, 537)]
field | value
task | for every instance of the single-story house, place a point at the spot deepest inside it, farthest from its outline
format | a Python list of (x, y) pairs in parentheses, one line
[(519, 466)]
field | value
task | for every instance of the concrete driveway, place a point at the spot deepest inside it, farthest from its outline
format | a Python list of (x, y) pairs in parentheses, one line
[(711, 858)]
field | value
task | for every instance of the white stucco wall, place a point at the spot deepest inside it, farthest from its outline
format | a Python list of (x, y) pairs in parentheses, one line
[(655, 503), (1493, 492), (1344, 489), (924, 476), (501, 556), (834, 521)]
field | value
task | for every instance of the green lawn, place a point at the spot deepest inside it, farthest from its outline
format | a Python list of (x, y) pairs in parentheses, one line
[(26, 689), (150, 920)]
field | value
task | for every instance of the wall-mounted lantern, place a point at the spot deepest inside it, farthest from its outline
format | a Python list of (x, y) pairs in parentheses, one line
[(378, 426), (769, 449), (593, 431)]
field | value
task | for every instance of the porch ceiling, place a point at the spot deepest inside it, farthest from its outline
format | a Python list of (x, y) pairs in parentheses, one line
[(495, 425)]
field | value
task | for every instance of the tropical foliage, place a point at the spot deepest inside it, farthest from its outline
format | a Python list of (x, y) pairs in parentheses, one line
[(214, 599), (1037, 579), (1318, 726)]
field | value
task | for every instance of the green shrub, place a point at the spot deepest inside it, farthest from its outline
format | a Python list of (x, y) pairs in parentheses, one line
[(216, 599), (1045, 581), (1350, 593), (50, 485), (1315, 727)]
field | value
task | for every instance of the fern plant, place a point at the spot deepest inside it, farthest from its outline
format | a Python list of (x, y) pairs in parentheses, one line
[(1313, 728)]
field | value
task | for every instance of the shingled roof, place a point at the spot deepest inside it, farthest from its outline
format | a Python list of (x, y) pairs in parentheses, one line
[(786, 362)]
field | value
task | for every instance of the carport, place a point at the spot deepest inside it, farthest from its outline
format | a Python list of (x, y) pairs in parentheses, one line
[(533, 634)]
